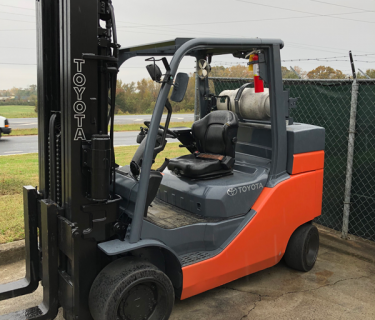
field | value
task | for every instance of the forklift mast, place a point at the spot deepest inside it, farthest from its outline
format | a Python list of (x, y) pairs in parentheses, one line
[(77, 68), (77, 73)]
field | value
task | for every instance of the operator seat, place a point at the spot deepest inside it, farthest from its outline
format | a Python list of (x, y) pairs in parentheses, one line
[(215, 137)]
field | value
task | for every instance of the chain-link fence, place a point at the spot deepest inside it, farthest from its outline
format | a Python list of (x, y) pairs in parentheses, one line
[(328, 103)]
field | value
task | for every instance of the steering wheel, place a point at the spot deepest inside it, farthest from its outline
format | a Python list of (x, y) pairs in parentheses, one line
[(147, 124)]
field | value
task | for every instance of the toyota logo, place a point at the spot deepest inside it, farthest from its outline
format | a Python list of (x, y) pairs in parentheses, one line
[(232, 192)]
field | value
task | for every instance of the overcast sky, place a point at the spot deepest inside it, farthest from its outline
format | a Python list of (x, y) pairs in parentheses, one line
[(310, 29)]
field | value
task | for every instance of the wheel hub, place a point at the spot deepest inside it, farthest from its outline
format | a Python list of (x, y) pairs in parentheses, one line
[(139, 303)]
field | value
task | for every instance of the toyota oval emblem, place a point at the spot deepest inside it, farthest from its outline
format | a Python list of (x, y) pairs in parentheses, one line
[(232, 192)]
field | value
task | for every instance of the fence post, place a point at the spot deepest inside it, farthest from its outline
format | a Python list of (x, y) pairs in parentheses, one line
[(349, 167), (196, 104)]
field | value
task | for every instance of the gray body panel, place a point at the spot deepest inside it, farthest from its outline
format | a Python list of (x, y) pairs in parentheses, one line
[(115, 247), (304, 138), (223, 197), (197, 237), (256, 139), (127, 188), (202, 239), (194, 257)]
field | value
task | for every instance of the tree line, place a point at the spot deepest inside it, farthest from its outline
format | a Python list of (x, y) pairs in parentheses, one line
[(140, 97), (19, 96)]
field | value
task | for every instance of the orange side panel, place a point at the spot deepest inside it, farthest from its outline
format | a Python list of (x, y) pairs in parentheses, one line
[(262, 243), (304, 162)]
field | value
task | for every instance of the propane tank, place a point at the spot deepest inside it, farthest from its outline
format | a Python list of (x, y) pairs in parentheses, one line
[(252, 105)]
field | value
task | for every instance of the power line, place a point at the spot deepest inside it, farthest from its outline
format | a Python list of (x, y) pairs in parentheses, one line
[(333, 15), (18, 14), (311, 48), (3, 5), (33, 22), (160, 26), (340, 5), (325, 60), (147, 26), (164, 34), (163, 26), (314, 46), (357, 55), (239, 21), (221, 22), (304, 44), (17, 48), (19, 64), (18, 30), (173, 34)]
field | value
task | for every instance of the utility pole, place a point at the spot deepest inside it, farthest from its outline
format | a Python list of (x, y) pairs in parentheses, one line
[(351, 140)]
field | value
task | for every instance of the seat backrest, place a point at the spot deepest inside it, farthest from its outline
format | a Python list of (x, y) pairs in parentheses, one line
[(216, 133)]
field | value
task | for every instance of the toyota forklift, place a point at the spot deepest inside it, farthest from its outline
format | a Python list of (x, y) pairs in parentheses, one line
[(109, 242)]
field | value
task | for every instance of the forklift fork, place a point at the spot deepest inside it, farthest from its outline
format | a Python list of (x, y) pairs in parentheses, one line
[(49, 257)]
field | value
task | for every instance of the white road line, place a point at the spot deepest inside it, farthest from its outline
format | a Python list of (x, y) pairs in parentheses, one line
[(15, 154), (138, 120), (13, 151)]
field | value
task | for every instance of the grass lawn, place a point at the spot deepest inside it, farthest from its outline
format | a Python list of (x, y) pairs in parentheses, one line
[(29, 112), (18, 111), (118, 128), (21, 170), (23, 132)]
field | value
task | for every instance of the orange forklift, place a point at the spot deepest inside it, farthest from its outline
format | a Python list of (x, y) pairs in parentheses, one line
[(109, 242)]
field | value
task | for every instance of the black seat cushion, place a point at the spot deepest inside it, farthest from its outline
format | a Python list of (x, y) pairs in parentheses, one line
[(190, 166), (215, 134)]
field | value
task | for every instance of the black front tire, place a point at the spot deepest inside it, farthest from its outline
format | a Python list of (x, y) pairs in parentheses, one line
[(131, 289), (303, 247)]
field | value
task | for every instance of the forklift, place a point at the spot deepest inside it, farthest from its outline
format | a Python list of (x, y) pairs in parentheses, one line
[(109, 242)]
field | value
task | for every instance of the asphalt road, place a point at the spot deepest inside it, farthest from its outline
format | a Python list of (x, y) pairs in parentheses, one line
[(29, 144), (29, 123)]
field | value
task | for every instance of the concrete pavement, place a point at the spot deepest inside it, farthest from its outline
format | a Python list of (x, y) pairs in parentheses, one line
[(29, 123), (340, 286)]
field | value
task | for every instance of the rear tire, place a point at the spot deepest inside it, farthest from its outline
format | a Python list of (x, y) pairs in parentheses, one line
[(303, 247), (131, 289)]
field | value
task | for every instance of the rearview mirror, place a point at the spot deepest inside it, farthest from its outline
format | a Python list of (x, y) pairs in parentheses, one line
[(180, 87), (154, 71)]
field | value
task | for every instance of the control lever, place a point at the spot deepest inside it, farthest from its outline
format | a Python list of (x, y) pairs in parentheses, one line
[(141, 135), (164, 165), (187, 146)]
